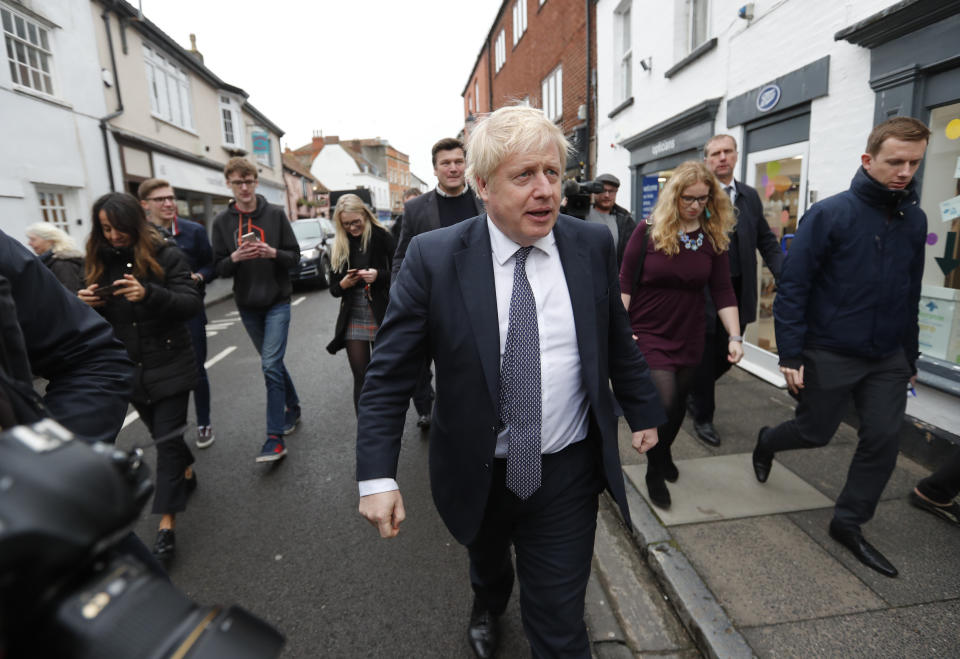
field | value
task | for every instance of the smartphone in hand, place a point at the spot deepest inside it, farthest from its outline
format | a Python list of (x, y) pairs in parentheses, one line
[(105, 291), (251, 237)]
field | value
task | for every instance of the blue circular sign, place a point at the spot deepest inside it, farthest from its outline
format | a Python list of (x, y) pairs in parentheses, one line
[(768, 97)]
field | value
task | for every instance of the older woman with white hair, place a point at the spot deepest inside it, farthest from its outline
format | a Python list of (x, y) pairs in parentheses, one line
[(58, 252)]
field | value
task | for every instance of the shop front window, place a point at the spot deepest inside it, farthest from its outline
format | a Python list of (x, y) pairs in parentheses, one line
[(940, 200), (779, 175)]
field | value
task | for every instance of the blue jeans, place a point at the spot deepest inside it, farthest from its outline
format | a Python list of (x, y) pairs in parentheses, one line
[(268, 329)]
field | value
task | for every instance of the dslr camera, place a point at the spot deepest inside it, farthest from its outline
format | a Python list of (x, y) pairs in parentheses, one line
[(66, 590), (578, 197)]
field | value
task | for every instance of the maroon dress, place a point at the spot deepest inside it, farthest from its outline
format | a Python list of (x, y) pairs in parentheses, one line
[(667, 308)]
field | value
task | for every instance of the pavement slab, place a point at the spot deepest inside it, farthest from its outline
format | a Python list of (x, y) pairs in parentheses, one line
[(724, 487), (924, 549), (767, 570), (922, 631)]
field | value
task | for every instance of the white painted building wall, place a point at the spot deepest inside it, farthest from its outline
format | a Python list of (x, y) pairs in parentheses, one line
[(782, 37), (54, 142), (338, 170)]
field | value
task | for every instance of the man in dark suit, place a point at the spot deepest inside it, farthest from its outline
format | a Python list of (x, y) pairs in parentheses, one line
[(752, 233), (160, 204), (450, 202), (520, 310)]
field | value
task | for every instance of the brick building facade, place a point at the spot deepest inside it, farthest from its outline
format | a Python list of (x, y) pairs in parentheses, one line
[(536, 52)]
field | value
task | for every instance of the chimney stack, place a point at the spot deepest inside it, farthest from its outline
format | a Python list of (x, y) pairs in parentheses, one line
[(193, 48)]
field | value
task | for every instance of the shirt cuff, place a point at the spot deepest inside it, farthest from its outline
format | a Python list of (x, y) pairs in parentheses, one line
[(377, 485)]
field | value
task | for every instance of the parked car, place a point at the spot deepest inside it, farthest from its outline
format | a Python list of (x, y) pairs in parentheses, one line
[(315, 237)]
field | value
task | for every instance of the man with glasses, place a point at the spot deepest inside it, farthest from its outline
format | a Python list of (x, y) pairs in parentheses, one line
[(752, 233), (254, 243), (160, 204), (606, 211)]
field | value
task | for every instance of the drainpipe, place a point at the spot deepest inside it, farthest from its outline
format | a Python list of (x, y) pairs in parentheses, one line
[(116, 84), (586, 173)]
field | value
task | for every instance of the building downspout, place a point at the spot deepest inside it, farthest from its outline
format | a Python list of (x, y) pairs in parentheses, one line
[(587, 175), (116, 84)]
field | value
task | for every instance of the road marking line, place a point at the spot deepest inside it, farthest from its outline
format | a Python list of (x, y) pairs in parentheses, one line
[(298, 301), (215, 327), (133, 416), (233, 313)]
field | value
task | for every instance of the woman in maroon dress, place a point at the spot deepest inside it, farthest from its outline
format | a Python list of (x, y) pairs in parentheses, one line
[(686, 250)]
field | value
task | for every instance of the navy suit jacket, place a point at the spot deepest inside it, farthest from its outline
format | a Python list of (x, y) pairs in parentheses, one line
[(192, 239), (443, 303), (420, 215)]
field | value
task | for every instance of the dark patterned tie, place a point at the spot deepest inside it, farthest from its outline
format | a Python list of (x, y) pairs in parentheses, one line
[(520, 404), (729, 190)]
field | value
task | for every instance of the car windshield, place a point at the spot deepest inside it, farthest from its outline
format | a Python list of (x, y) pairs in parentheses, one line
[(307, 230)]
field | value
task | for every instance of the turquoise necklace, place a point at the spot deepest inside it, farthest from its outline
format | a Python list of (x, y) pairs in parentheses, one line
[(692, 245)]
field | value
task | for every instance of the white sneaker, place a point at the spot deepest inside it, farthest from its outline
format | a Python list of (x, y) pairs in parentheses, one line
[(205, 436)]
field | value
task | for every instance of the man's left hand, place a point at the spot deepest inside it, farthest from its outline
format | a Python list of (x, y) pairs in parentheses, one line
[(644, 440), (265, 251)]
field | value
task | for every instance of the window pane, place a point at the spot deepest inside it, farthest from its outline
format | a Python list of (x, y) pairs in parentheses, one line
[(13, 72), (32, 57), (24, 75), (7, 22), (32, 33), (21, 54), (48, 87), (559, 93), (43, 39), (21, 28), (36, 81), (43, 63)]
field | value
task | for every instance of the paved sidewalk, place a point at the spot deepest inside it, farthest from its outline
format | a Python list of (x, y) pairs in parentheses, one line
[(750, 568)]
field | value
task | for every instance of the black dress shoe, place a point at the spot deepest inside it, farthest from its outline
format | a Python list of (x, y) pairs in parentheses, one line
[(484, 631), (949, 512), (863, 550), (191, 483), (762, 458), (657, 489), (707, 433), (165, 546)]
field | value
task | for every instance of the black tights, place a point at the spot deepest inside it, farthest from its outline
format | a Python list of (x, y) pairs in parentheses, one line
[(673, 387), (358, 354)]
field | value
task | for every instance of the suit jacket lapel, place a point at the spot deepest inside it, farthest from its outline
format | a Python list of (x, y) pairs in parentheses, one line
[(475, 273), (579, 273), (433, 212)]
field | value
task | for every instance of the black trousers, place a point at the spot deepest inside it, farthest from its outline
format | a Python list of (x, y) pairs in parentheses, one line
[(552, 533), (711, 368), (166, 420), (943, 485), (423, 394), (879, 392)]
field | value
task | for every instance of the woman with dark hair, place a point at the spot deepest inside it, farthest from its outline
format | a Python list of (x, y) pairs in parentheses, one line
[(141, 284), (668, 261), (362, 258), (58, 252)]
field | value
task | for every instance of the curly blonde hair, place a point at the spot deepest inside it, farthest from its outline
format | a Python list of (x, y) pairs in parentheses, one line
[(717, 222), (350, 203)]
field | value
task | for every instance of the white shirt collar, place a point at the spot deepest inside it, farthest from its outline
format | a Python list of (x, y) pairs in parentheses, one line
[(462, 192), (504, 248)]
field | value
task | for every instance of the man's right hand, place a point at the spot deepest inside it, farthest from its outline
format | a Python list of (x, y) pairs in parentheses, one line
[(794, 377), (245, 252), (385, 511)]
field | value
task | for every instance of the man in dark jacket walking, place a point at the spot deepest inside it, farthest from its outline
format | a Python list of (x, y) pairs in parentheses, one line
[(605, 211), (751, 233), (846, 321), (160, 204), (254, 243)]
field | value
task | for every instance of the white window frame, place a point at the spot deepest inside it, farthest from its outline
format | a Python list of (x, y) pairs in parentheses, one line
[(697, 9), (551, 94), (519, 20), (55, 204), (230, 106), (500, 48), (27, 42), (624, 50), (476, 94), (169, 89)]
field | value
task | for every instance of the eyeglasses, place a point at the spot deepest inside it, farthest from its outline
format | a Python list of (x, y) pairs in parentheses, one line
[(355, 223), (690, 201), (606, 190), (162, 200), (247, 182)]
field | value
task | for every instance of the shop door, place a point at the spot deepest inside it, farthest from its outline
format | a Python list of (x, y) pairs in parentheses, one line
[(780, 177)]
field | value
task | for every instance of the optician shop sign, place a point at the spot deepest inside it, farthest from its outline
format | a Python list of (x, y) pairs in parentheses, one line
[(768, 97)]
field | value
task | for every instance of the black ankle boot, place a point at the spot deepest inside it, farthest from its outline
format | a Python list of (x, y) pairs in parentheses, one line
[(657, 489)]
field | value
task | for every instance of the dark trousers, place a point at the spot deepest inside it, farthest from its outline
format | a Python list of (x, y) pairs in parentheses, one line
[(552, 533), (166, 420), (423, 394), (201, 395), (943, 485), (712, 366), (879, 392)]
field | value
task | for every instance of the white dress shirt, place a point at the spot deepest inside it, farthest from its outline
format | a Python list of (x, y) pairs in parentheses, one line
[(733, 190), (563, 394)]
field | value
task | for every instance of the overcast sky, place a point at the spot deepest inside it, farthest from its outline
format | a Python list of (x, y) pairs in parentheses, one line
[(357, 69)]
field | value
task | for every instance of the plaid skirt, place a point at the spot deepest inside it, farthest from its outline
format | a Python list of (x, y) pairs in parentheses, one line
[(362, 325)]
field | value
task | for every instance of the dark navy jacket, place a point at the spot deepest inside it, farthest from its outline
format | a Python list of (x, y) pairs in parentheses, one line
[(191, 237), (851, 280)]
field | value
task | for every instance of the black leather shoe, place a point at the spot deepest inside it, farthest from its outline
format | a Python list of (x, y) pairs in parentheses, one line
[(165, 546), (657, 489), (484, 631), (191, 483), (707, 433), (863, 550), (762, 458), (948, 512)]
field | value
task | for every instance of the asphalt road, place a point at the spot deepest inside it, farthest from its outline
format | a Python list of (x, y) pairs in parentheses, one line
[(285, 541)]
